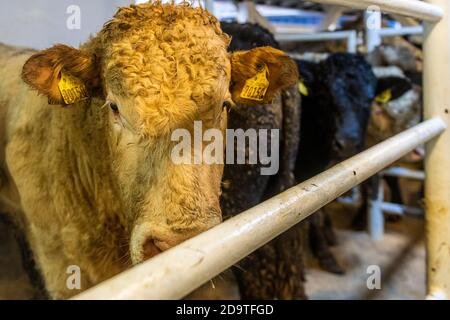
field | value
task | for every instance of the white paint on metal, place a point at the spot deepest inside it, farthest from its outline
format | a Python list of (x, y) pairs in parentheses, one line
[(372, 26), (437, 295), (395, 208), (403, 31), (349, 35), (242, 15), (209, 5), (437, 162), (333, 13), (375, 212), (404, 173), (411, 8)]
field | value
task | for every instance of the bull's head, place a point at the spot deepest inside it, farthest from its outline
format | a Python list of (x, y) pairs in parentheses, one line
[(396, 108), (157, 68)]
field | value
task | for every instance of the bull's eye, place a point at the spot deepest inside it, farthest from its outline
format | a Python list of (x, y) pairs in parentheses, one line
[(226, 104), (114, 107)]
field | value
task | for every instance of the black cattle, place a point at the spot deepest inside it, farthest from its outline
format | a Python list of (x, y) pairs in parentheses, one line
[(275, 271), (336, 111), (391, 114), (335, 115)]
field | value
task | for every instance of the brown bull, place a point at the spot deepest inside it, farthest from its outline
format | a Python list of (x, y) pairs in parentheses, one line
[(86, 163)]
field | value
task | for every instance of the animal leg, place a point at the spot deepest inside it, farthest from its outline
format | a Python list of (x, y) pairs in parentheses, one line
[(274, 271), (396, 197), (359, 221), (29, 265), (319, 244), (328, 231), (59, 272)]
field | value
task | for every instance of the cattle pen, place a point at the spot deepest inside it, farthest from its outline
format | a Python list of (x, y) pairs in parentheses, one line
[(178, 271)]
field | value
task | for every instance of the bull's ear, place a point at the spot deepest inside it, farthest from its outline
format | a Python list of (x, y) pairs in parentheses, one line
[(391, 88), (64, 74), (259, 74)]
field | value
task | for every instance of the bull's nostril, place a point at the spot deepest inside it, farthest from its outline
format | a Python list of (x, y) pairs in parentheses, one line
[(149, 249), (339, 145)]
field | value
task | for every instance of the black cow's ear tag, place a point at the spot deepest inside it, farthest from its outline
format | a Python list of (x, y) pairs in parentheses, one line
[(303, 89), (256, 87), (72, 89), (384, 97)]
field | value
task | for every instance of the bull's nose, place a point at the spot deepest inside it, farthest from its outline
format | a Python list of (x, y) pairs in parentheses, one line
[(150, 249), (148, 239), (147, 246), (346, 147), (339, 144)]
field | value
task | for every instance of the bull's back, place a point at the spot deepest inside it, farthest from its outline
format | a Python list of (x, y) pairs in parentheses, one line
[(15, 99), (13, 91)]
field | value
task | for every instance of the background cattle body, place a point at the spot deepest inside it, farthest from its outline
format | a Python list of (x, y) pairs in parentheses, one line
[(334, 119), (274, 271), (398, 67), (335, 115)]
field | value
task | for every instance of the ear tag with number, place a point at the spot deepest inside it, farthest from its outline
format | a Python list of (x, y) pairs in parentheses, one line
[(72, 89), (256, 87), (303, 89), (384, 97)]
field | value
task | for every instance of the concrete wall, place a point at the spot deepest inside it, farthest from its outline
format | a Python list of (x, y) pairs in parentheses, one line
[(41, 23)]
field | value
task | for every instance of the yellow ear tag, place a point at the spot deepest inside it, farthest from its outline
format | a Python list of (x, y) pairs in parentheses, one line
[(303, 89), (72, 89), (384, 97), (255, 88)]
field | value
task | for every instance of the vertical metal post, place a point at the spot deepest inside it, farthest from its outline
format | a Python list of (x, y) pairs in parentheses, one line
[(376, 216), (209, 5), (372, 22), (333, 13), (352, 42), (437, 161), (242, 12)]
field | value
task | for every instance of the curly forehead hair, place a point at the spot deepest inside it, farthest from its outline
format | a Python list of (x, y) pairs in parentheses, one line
[(156, 13), (170, 60)]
